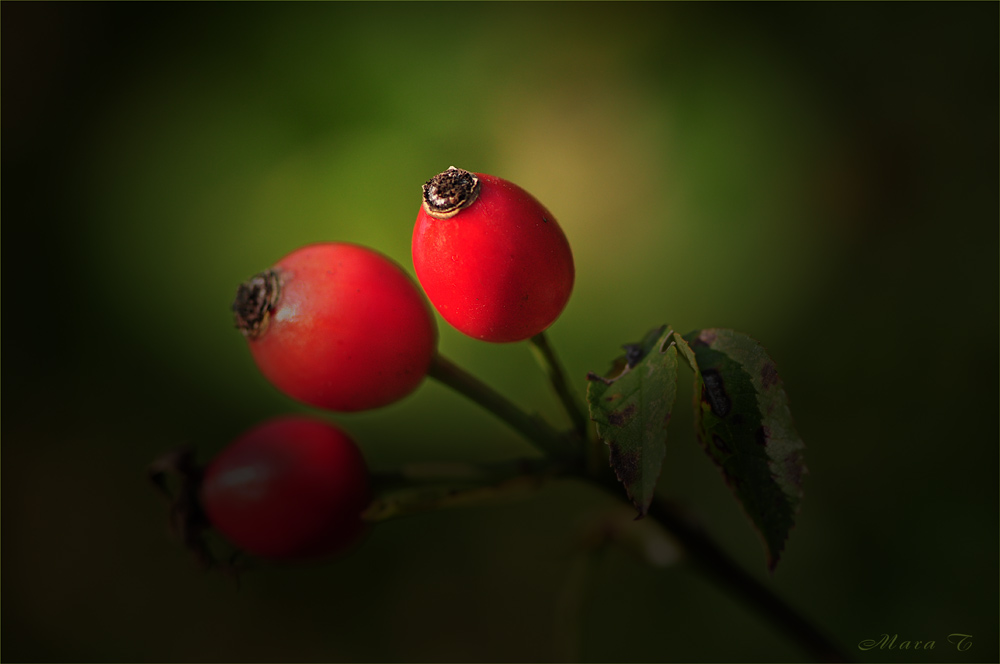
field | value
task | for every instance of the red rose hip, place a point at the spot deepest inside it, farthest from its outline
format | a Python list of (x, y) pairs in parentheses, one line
[(338, 326), (492, 260), (290, 488)]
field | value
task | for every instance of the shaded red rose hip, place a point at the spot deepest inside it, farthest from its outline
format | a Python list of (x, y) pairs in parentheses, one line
[(290, 488), (338, 326), (492, 260)]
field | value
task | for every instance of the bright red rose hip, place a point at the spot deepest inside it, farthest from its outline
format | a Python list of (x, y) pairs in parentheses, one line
[(290, 488), (338, 326), (492, 260)]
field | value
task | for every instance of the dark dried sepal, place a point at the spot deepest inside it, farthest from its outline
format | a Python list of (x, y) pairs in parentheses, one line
[(256, 299), (187, 520), (446, 194)]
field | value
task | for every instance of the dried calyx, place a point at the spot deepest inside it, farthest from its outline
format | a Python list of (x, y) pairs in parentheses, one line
[(446, 194), (256, 299)]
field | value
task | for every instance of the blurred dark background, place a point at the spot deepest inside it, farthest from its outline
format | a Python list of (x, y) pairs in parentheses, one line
[(823, 177)]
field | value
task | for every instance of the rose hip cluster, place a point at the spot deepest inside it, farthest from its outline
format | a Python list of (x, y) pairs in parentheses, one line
[(344, 328)]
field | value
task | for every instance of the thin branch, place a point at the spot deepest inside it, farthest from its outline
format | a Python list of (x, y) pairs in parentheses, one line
[(534, 429), (546, 356)]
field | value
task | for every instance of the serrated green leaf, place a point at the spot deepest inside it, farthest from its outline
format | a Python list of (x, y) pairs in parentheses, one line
[(745, 426), (631, 405)]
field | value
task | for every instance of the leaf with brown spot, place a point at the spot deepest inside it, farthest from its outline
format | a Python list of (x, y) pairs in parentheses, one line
[(631, 405), (743, 423)]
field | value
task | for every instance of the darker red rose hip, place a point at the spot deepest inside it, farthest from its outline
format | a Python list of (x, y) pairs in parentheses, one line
[(291, 488)]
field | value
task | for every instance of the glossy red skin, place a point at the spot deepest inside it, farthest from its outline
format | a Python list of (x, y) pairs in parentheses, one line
[(290, 488), (352, 331), (500, 270)]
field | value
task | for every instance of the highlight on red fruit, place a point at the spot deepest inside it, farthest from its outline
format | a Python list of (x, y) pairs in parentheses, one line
[(492, 259), (293, 487), (338, 326)]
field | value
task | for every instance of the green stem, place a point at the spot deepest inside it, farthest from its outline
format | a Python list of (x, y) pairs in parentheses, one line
[(427, 487), (460, 472), (546, 356), (535, 430)]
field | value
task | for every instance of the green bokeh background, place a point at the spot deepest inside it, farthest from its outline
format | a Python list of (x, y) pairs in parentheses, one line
[(823, 177)]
